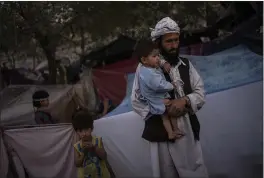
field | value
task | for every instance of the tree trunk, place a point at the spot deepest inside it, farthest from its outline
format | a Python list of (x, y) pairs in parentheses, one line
[(50, 54), (82, 41), (1, 84), (34, 62)]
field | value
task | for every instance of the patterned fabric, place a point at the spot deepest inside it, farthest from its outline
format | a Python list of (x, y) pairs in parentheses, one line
[(164, 26), (93, 166), (154, 88)]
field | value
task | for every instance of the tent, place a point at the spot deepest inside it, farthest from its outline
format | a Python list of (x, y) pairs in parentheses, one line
[(17, 108), (232, 143), (232, 78), (247, 33), (119, 49), (111, 80), (114, 83)]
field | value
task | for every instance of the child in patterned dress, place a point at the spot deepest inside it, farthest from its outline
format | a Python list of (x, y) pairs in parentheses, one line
[(90, 155)]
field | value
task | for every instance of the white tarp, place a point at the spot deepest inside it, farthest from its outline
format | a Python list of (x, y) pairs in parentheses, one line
[(231, 138), (64, 99), (44, 151), (3, 158)]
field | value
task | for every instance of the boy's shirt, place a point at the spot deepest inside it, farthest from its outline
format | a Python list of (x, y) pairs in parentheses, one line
[(42, 117), (153, 88)]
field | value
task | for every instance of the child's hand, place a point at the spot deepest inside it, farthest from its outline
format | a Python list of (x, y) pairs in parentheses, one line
[(166, 102), (88, 146), (167, 67)]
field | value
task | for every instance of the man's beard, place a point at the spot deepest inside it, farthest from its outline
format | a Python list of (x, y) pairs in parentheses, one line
[(170, 57)]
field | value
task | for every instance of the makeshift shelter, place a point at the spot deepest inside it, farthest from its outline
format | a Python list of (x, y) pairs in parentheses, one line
[(17, 108), (111, 80), (119, 49), (230, 125)]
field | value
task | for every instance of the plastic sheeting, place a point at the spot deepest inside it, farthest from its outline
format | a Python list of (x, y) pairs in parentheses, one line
[(64, 99), (4, 158), (111, 81), (50, 147), (231, 132), (231, 138), (223, 70), (21, 112)]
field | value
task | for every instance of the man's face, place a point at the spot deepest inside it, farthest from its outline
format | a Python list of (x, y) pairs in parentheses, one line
[(170, 42)]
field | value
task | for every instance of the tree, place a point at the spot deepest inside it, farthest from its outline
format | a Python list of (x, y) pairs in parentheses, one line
[(51, 25)]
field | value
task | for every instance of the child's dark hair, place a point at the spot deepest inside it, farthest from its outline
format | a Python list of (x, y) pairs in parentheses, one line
[(38, 96), (144, 48), (82, 120)]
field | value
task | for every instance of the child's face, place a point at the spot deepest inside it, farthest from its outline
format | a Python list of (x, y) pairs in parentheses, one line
[(152, 60), (84, 133), (44, 103)]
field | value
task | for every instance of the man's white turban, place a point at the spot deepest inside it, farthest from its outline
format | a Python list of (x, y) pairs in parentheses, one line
[(164, 26)]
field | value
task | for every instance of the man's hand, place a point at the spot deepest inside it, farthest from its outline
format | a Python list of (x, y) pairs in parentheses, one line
[(167, 67), (177, 107), (174, 84)]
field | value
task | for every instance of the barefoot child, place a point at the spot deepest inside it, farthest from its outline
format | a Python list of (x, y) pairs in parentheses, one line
[(90, 156), (154, 88)]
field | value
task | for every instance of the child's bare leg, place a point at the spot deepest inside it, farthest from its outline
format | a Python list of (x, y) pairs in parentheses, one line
[(168, 127), (176, 129)]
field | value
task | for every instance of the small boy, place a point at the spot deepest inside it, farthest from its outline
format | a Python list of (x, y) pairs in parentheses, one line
[(89, 152), (154, 88), (41, 102)]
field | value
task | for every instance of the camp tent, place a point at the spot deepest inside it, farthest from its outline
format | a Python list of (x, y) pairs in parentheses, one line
[(231, 142), (119, 49), (111, 80), (17, 109), (17, 106)]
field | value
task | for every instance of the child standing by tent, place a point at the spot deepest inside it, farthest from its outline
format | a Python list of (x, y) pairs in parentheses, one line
[(154, 88), (41, 102), (90, 156)]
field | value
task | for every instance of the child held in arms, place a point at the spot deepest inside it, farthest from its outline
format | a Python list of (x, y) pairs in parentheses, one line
[(154, 87), (90, 155), (41, 102)]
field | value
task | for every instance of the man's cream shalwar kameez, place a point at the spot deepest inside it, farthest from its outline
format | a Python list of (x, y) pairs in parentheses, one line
[(185, 154)]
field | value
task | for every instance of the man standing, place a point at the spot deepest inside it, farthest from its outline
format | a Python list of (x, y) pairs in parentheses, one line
[(182, 158)]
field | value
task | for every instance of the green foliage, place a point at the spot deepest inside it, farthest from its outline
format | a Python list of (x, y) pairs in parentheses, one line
[(30, 26)]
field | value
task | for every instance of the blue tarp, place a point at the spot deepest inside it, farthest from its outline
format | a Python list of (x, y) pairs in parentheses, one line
[(231, 68)]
